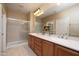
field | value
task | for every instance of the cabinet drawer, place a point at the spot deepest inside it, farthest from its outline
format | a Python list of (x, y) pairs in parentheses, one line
[(38, 43), (38, 52), (47, 42), (38, 47), (62, 51), (38, 40)]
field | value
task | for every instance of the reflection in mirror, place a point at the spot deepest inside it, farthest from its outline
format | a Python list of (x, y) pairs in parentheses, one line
[(74, 28), (74, 22), (65, 21)]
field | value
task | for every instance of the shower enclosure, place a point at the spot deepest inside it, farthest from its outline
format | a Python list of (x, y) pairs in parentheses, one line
[(17, 32)]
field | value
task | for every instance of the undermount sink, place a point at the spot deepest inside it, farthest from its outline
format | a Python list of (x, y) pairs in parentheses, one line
[(74, 38)]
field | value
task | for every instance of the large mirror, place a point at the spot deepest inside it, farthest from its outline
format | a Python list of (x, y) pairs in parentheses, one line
[(65, 22)]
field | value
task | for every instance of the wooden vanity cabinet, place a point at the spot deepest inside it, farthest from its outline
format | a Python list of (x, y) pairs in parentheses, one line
[(62, 51), (48, 48)]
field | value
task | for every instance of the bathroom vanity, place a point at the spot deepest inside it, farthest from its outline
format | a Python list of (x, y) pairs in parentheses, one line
[(45, 45)]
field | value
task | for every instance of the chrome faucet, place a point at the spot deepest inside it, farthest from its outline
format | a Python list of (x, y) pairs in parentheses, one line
[(65, 36)]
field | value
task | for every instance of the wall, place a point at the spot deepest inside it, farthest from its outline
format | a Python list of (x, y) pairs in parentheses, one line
[(35, 23), (72, 13), (32, 22), (28, 16), (38, 25), (16, 15)]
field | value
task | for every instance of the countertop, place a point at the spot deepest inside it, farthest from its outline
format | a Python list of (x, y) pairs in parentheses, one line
[(71, 42)]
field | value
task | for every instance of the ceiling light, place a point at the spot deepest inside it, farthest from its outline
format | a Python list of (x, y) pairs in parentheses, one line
[(38, 12)]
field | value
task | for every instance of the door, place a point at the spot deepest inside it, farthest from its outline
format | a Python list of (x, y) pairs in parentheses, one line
[(0, 28), (62, 25), (3, 29)]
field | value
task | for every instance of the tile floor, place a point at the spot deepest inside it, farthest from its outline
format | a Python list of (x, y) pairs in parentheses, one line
[(22, 50)]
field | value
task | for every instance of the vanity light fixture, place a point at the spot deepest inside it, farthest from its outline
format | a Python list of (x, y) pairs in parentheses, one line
[(38, 12)]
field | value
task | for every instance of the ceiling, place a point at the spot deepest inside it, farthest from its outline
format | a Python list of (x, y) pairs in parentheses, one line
[(57, 8), (49, 8), (25, 7)]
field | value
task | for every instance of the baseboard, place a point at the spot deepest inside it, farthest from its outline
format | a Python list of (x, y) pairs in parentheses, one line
[(16, 43)]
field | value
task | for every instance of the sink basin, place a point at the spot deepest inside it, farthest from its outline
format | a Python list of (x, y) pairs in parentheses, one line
[(74, 38)]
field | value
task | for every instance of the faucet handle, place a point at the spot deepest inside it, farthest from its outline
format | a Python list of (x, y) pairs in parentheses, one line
[(65, 35)]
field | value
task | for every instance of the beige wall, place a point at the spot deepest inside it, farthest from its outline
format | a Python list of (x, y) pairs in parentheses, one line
[(35, 23), (72, 13), (28, 16), (32, 22), (16, 15)]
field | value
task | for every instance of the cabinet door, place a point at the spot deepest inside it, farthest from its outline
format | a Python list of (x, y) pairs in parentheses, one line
[(31, 42), (38, 46), (61, 51), (48, 48)]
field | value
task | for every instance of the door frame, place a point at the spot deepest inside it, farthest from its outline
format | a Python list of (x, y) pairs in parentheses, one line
[(4, 23)]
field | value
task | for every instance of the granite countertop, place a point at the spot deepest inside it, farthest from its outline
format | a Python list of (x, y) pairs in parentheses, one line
[(71, 42)]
